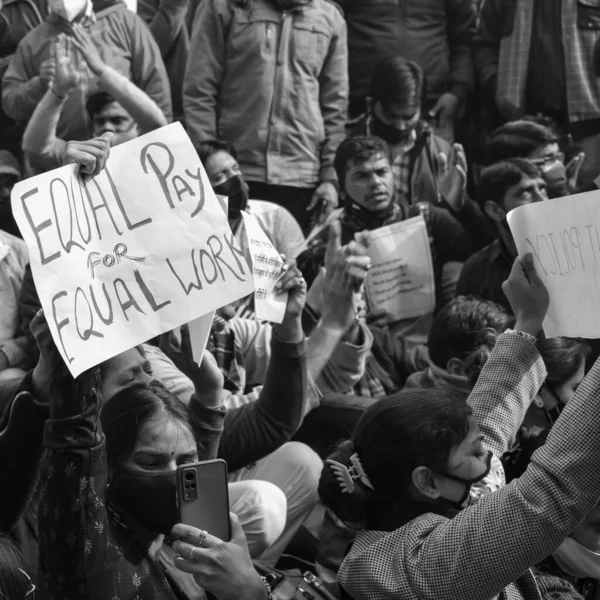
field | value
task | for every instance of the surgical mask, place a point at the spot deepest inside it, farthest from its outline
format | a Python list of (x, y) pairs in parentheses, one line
[(235, 190), (68, 9), (150, 499), (556, 180), (577, 560), (391, 134), (466, 499)]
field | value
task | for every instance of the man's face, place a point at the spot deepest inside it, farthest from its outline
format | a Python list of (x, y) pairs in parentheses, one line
[(7, 182), (370, 184), (551, 162), (124, 370), (400, 116), (527, 191), (114, 118)]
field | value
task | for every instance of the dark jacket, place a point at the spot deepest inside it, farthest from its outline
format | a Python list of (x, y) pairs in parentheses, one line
[(436, 34)]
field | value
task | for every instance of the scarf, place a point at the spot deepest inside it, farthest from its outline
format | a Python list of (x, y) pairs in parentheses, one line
[(355, 218), (221, 344)]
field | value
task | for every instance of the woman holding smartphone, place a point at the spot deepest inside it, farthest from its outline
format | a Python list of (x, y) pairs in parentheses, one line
[(108, 490)]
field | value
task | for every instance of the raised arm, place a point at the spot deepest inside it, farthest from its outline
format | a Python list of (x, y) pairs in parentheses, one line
[(254, 430), (144, 111)]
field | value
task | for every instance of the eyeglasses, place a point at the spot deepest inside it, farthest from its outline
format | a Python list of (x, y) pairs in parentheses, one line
[(31, 592), (550, 159)]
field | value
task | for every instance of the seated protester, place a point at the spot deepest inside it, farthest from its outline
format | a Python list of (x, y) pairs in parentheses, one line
[(425, 167), (566, 363), (460, 341), (367, 191), (124, 43), (221, 165), (421, 536), (14, 355), (119, 107), (15, 581), (502, 187), (10, 174), (112, 490), (537, 143)]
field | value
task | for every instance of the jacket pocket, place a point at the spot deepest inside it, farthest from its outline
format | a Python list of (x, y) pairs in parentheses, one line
[(588, 14), (509, 11), (310, 45)]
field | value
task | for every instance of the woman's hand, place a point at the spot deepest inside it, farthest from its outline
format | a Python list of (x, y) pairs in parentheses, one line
[(222, 568), (452, 183), (527, 295), (83, 42), (91, 156), (207, 378), (291, 281), (44, 375), (66, 75)]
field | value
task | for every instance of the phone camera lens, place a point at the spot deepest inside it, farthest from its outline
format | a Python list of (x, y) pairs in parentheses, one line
[(189, 476)]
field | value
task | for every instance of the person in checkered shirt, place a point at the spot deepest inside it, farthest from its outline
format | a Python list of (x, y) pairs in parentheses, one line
[(405, 478)]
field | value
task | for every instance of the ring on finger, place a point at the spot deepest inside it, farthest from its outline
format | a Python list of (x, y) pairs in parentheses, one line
[(202, 537), (191, 556), (300, 280)]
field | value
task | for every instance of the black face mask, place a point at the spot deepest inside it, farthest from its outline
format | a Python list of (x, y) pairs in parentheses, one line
[(389, 133), (150, 499), (235, 190), (468, 484)]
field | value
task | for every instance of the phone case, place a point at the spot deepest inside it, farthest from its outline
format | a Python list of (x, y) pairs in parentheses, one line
[(203, 497)]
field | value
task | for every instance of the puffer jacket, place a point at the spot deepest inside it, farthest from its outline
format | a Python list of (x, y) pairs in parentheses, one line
[(436, 34), (124, 43), (273, 83)]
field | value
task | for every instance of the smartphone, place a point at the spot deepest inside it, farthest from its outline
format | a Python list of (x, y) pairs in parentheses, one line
[(203, 497)]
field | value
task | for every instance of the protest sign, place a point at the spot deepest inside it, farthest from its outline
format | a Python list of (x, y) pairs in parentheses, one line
[(564, 238), (136, 251), (400, 281), (199, 332), (266, 266)]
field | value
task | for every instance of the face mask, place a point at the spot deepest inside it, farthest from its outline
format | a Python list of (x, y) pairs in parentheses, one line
[(556, 181), (577, 560), (150, 499), (389, 133), (68, 9), (465, 500), (235, 189)]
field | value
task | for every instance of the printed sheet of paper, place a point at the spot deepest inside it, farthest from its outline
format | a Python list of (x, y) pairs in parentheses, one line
[(564, 237), (139, 250), (267, 264), (401, 278)]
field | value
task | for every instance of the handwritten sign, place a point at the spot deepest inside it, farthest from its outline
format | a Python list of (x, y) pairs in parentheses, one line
[(564, 237), (267, 264), (136, 251), (401, 280)]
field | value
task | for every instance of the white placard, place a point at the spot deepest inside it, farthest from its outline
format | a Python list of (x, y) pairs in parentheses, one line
[(267, 264), (564, 237), (136, 251), (401, 280)]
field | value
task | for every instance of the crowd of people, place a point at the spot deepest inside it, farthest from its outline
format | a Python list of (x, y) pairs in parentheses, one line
[(449, 454)]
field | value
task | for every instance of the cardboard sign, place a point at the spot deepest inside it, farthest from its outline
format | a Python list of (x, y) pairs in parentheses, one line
[(136, 251), (267, 264), (401, 280), (564, 237)]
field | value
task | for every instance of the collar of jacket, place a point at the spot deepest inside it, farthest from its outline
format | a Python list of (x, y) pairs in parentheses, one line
[(289, 5)]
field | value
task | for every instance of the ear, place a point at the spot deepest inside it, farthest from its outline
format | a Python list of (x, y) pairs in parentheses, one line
[(455, 366), (494, 211), (424, 482)]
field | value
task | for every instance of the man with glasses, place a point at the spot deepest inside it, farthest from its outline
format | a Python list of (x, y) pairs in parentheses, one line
[(538, 144)]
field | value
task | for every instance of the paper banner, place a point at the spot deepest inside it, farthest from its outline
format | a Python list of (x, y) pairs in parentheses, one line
[(564, 237), (139, 250), (267, 265), (401, 280)]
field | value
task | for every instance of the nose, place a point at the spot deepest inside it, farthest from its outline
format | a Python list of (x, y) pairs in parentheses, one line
[(146, 378), (539, 194)]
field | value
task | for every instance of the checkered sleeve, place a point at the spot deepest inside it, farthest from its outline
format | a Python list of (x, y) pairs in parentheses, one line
[(487, 547), (506, 387)]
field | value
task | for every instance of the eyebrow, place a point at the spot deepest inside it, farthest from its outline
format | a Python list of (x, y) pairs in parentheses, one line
[(478, 439)]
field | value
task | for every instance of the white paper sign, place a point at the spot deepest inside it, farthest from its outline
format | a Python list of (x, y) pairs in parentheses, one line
[(401, 280), (199, 332), (137, 251), (564, 237), (267, 263)]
